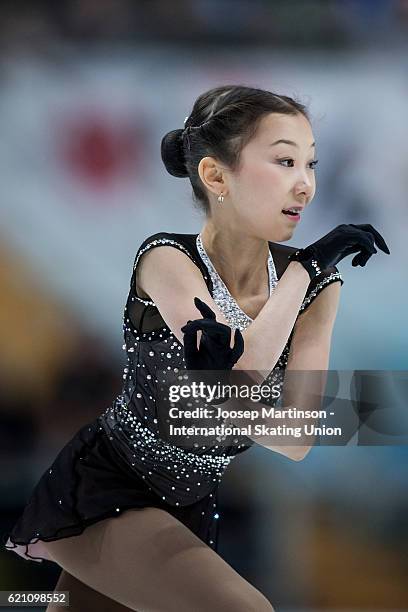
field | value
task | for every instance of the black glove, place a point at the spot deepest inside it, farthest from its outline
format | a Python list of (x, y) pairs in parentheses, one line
[(214, 352), (337, 244)]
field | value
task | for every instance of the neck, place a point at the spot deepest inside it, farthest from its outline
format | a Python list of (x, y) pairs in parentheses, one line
[(240, 260)]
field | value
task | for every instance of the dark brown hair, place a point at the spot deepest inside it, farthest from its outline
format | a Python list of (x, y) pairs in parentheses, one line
[(222, 122)]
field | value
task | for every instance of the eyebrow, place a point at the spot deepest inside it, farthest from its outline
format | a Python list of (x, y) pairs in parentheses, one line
[(289, 142)]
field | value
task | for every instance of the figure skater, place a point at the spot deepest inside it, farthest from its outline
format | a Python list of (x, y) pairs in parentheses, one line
[(131, 518)]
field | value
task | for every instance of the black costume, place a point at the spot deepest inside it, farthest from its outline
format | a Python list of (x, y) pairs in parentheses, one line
[(118, 461)]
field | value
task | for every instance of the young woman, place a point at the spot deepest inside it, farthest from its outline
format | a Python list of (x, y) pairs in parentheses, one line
[(131, 518)]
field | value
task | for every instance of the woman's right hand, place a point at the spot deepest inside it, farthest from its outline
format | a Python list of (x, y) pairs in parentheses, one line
[(342, 241), (214, 352)]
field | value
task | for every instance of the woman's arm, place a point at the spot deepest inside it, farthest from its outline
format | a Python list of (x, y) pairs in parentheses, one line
[(310, 347), (172, 281), (266, 337), (310, 351)]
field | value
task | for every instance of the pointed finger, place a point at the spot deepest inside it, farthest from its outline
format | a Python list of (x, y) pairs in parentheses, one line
[(204, 309), (379, 240)]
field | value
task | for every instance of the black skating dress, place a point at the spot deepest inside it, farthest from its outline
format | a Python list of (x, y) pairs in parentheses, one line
[(118, 461)]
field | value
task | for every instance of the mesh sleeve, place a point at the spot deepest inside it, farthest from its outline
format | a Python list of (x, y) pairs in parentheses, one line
[(143, 312)]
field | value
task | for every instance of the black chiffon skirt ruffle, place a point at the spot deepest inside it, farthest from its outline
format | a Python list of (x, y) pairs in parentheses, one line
[(89, 482)]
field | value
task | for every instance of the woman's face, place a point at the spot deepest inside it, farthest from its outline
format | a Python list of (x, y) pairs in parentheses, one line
[(273, 177)]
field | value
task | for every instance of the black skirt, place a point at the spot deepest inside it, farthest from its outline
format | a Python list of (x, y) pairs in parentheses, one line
[(89, 482)]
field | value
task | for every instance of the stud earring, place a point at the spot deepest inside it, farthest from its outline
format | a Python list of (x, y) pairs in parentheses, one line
[(220, 198)]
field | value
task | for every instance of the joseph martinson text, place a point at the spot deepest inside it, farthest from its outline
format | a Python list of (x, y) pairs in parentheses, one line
[(278, 423), (244, 412)]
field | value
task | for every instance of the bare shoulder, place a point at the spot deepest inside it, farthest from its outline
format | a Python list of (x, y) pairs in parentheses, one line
[(172, 280), (157, 264)]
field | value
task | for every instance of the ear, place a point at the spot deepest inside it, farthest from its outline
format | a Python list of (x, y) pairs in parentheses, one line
[(213, 175)]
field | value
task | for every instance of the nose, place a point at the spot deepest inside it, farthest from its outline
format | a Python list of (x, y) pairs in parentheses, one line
[(305, 186)]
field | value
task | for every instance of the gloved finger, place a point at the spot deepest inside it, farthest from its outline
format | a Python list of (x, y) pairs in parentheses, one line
[(214, 329), (364, 238), (361, 259), (190, 344), (379, 240), (238, 347), (364, 259), (348, 250), (214, 342), (185, 327), (208, 326), (366, 253), (204, 309)]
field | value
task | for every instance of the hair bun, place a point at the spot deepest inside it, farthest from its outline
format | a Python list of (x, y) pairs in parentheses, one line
[(172, 153)]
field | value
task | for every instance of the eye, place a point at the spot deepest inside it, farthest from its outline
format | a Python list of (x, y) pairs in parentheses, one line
[(312, 164), (282, 162)]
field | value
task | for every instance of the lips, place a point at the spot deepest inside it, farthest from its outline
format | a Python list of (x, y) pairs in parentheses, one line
[(291, 214), (292, 217), (298, 209)]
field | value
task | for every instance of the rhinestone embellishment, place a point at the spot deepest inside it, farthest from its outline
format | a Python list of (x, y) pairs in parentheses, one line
[(222, 297)]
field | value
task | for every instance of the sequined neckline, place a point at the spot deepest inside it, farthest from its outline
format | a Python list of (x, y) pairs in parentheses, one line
[(221, 295)]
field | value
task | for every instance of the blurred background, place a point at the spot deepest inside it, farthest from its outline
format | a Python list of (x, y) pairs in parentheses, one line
[(88, 89)]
